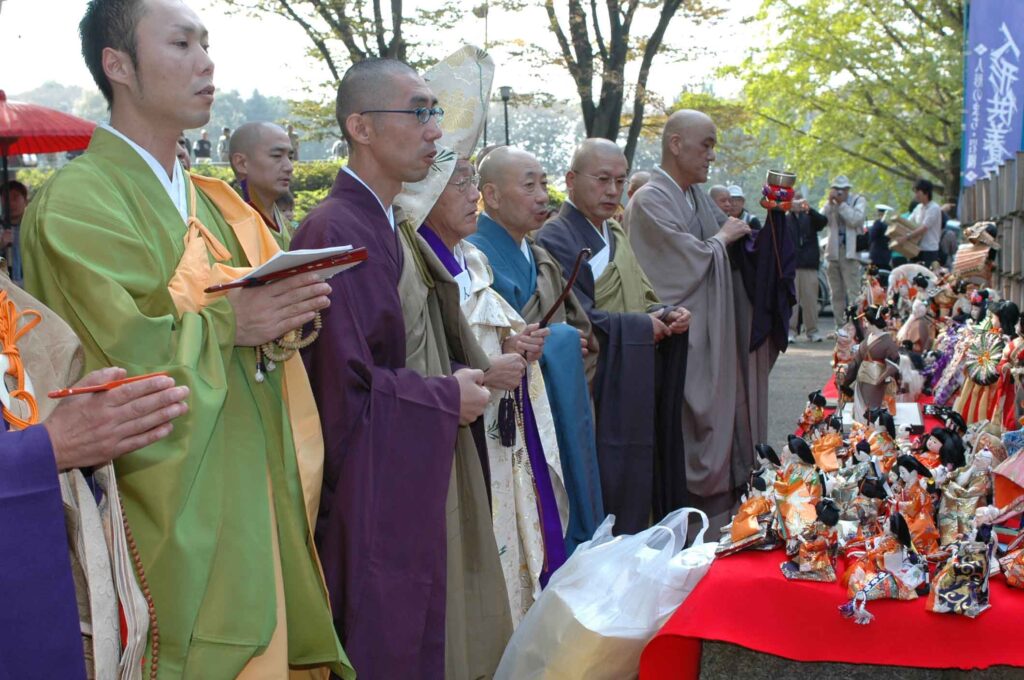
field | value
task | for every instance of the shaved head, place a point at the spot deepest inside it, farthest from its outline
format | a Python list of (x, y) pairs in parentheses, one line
[(498, 166), (682, 122), (688, 147), (720, 195), (515, 190), (365, 86), (592, 151), (247, 137)]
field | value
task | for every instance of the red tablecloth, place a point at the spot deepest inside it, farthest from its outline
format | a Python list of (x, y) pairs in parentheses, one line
[(745, 600)]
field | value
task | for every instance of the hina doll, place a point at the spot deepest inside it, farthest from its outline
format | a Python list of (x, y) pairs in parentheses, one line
[(960, 584), (962, 494), (752, 525), (929, 446), (915, 504), (978, 400), (887, 569), (1012, 564), (769, 462), (818, 545), (918, 329), (874, 365), (829, 444), (797, 488), (1009, 390), (882, 437), (814, 413)]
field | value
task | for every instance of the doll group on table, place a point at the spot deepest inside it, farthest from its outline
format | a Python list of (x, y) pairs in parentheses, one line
[(885, 513)]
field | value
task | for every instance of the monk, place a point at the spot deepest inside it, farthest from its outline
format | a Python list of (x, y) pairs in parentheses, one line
[(630, 323), (529, 507), (121, 244), (407, 550), (514, 190), (261, 158), (52, 454), (680, 238)]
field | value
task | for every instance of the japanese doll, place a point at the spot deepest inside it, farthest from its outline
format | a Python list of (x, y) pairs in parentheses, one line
[(978, 398), (888, 568), (874, 365), (913, 501), (815, 557)]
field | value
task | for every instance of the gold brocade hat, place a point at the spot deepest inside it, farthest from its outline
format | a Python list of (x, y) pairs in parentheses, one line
[(462, 84)]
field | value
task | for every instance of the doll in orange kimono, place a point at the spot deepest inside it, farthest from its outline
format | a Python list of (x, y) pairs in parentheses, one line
[(916, 505), (882, 437), (1011, 373), (889, 568), (815, 558)]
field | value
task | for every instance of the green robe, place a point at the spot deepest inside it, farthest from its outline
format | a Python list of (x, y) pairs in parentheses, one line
[(101, 241)]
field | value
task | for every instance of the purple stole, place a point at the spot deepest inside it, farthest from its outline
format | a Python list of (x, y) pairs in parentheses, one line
[(551, 525)]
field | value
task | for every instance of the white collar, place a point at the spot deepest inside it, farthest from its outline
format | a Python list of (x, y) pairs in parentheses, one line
[(524, 247), (175, 186), (388, 211)]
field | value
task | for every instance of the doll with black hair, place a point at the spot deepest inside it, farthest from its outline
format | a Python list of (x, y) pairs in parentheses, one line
[(818, 546), (814, 413), (967, 488), (914, 502), (1009, 391), (769, 464), (829, 447), (889, 568), (797, 488), (874, 365), (882, 437), (752, 526), (928, 447), (978, 400)]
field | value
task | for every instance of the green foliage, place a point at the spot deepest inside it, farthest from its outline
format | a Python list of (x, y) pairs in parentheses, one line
[(307, 200), (556, 197), (867, 88)]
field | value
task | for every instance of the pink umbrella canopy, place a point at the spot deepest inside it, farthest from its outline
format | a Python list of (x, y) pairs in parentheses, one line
[(30, 128)]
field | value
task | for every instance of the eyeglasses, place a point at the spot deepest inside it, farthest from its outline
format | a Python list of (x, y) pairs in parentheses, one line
[(422, 113), (605, 180), (463, 183)]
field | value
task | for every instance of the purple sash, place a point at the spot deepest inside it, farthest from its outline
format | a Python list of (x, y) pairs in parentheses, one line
[(440, 249)]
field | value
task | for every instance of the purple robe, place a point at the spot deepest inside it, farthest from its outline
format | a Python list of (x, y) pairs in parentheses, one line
[(552, 530), (389, 436), (39, 628)]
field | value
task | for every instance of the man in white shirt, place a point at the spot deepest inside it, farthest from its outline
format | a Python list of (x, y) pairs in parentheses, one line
[(928, 216)]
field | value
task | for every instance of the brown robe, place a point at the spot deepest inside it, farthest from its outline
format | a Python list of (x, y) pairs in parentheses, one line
[(688, 264), (478, 623)]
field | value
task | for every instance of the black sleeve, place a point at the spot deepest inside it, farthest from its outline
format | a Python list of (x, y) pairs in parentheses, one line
[(818, 221)]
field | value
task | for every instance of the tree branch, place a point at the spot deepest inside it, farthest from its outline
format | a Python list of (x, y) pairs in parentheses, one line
[(314, 36), (668, 10), (601, 49)]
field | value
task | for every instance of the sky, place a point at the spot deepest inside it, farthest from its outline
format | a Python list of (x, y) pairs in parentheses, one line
[(271, 53)]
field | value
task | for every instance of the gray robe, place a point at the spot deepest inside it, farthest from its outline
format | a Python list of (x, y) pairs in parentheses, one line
[(478, 622), (688, 264)]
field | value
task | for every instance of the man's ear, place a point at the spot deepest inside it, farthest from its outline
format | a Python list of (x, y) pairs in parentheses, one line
[(239, 163), (570, 182), (675, 144), (491, 194), (359, 128), (118, 67)]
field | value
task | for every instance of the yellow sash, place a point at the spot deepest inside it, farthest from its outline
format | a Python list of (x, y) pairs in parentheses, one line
[(195, 273)]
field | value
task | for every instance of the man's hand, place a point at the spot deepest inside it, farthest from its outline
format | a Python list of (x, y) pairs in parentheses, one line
[(529, 343), (733, 230), (679, 320), (505, 372), (93, 429), (264, 313), (660, 329), (584, 343), (473, 397)]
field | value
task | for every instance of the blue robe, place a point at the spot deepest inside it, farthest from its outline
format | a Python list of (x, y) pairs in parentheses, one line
[(516, 280), (39, 629)]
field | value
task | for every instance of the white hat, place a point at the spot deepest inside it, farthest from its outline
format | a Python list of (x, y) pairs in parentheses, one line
[(883, 206), (462, 84), (735, 191), (841, 182)]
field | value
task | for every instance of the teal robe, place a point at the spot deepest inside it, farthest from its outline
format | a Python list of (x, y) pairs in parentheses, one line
[(517, 281), (102, 240)]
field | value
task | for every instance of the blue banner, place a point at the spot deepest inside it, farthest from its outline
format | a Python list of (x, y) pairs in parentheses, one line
[(994, 90)]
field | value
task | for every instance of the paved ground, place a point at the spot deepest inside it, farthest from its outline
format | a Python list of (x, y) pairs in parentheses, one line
[(804, 368)]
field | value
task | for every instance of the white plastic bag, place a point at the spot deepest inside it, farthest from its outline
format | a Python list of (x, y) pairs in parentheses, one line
[(607, 601)]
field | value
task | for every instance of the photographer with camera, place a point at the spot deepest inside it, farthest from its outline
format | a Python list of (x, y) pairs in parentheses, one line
[(845, 214)]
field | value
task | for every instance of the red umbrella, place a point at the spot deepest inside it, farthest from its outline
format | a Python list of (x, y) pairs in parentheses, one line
[(30, 128)]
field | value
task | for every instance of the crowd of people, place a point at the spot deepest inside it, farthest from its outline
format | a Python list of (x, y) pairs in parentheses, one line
[(378, 473)]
